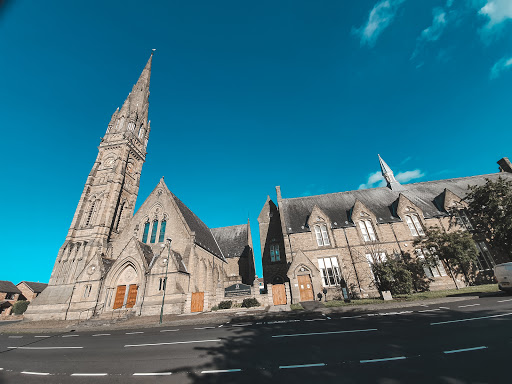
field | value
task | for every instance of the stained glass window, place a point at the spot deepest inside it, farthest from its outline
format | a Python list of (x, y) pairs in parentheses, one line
[(153, 231), (161, 238), (146, 231)]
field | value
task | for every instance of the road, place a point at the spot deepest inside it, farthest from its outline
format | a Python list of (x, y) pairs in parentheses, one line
[(458, 342)]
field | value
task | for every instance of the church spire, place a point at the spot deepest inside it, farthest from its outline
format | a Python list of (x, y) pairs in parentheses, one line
[(388, 175), (133, 115)]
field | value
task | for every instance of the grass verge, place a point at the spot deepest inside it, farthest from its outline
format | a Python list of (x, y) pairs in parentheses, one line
[(487, 288)]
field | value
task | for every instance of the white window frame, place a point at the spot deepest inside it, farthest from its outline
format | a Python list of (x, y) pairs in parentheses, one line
[(431, 271), (485, 254), (414, 224), (367, 230), (330, 271), (322, 236)]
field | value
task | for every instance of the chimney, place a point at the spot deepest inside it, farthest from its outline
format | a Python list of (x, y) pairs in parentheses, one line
[(278, 192), (505, 165)]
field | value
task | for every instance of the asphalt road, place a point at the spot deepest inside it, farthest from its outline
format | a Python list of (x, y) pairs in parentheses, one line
[(459, 342)]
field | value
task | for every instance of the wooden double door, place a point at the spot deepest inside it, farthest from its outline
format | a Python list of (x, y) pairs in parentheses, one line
[(305, 288), (121, 293), (279, 294), (197, 303)]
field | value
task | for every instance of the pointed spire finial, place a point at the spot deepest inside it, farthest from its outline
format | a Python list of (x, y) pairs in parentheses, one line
[(388, 175)]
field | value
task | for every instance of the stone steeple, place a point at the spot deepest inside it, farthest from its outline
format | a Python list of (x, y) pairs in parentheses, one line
[(389, 176), (108, 199), (132, 118)]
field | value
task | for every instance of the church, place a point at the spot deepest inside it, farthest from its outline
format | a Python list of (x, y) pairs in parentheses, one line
[(162, 258)]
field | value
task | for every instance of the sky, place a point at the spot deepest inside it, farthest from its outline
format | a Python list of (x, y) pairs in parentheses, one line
[(245, 96)]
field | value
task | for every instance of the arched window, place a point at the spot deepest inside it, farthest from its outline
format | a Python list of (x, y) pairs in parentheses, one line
[(91, 211), (322, 237), (119, 216), (161, 238), (146, 231), (131, 126), (367, 230), (153, 231), (141, 132), (414, 225)]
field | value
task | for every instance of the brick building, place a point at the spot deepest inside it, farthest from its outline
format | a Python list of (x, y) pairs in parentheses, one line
[(9, 294), (30, 290), (318, 243), (115, 260)]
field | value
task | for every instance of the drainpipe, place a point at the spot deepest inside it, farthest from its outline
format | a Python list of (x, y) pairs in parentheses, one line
[(353, 263)]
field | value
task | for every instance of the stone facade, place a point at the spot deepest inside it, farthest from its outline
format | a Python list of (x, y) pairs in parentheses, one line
[(163, 256), (327, 241)]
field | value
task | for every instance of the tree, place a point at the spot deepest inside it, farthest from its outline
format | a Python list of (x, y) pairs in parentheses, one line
[(490, 209), (393, 275), (20, 307), (457, 249)]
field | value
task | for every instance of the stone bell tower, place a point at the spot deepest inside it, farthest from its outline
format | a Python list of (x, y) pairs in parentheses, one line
[(108, 199)]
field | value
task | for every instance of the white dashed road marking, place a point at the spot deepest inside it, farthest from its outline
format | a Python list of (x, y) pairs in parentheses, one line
[(169, 330), (385, 359), (205, 328), (102, 334), (326, 333), (15, 337), (89, 374), (173, 343), (429, 310), (242, 325), (222, 371), (45, 348), (35, 373), (315, 319), (471, 319), (503, 301), (301, 366), (152, 374), (469, 305), (133, 333), (42, 336), (465, 350), (70, 335)]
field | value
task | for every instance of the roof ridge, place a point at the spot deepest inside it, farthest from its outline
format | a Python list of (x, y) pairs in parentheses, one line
[(405, 186)]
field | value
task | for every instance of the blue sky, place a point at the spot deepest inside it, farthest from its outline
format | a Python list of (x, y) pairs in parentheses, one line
[(245, 96)]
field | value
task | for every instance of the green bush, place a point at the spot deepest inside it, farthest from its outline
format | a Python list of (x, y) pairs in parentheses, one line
[(393, 275), (20, 307), (252, 302), (225, 304)]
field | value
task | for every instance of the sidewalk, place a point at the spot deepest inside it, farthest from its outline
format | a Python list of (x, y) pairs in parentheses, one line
[(212, 318)]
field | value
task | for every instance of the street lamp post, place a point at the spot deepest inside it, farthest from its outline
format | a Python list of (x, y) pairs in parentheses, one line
[(165, 279)]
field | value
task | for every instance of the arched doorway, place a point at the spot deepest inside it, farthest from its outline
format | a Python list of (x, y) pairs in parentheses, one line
[(126, 288), (305, 285)]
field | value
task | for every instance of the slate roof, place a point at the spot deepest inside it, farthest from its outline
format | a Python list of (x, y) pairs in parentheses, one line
[(204, 236), (35, 287), (232, 240), (428, 196), (147, 251), (8, 287)]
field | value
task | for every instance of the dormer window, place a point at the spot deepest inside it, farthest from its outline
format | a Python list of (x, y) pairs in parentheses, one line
[(367, 230), (322, 237), (414, 224), (274, 253)]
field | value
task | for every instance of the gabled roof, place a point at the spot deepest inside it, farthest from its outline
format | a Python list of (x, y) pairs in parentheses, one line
[(232, 240), (35, 287), (8, 287), (381, 201), (203, 235), (147, 251)]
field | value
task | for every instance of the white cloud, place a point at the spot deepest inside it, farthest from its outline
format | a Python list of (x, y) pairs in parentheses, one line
[(432, 33), (405, 177), (376, 180), (496, 12), (449, 3), (379, 19), (500, 66)]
